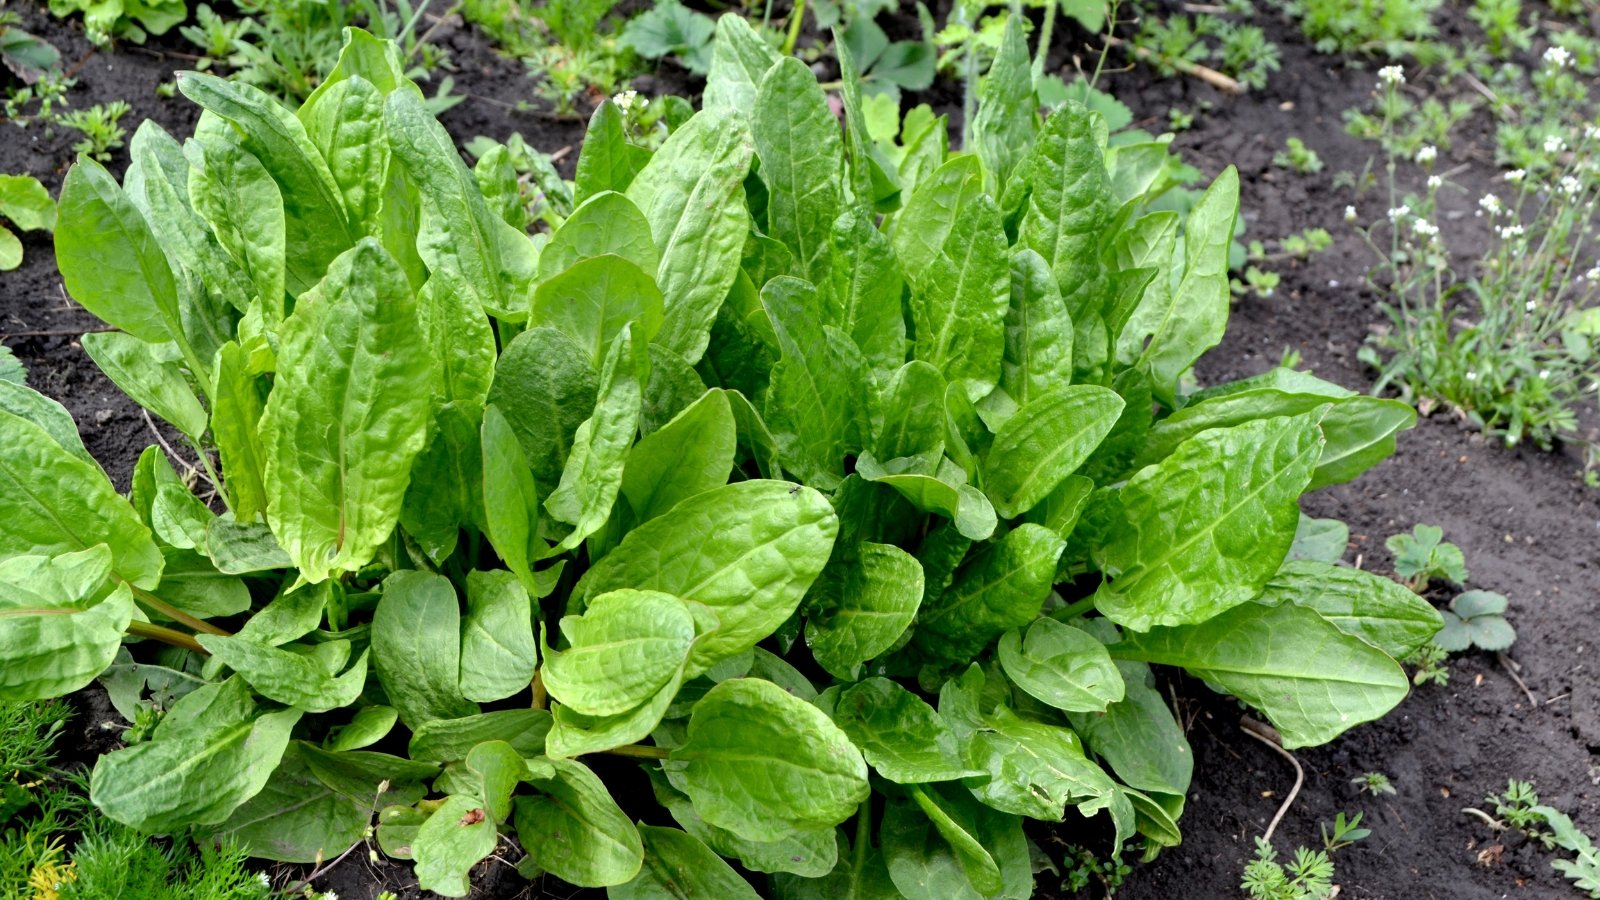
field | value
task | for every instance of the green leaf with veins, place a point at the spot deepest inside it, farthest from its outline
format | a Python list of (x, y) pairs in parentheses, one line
[(573, 829), (454, 839), (677, 865), (1062, 666), (623, 649), (901, 736), (498, 655)]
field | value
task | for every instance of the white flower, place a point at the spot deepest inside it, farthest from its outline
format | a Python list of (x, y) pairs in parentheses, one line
[(1427, 154), (1590, 132), (1554, 144), (1424, 228), (265, 881), (1544, 373), (1435, 182), (1570, 185), (1399, 212), (1472, 376), (1557, 57), (1593, 274), (1349, 213), (1391, 75), (1515, 176), (1490, 204), (1530, 305), (623, 100), (1510, 231)]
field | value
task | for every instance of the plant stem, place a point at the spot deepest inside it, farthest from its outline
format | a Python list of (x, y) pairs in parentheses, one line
[(863, 836), (540, 697), (166, 635), (638, 751), (1075, 610), (1045, 31), (177, 615), (797, 16)]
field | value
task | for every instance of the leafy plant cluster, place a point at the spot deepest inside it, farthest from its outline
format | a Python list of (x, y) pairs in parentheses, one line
[(43, 807), (1519, 808), (130, 20), (1223, 41), (25, 205), (1510, 343), (1393, 28), (816, 488), (1309, 876)]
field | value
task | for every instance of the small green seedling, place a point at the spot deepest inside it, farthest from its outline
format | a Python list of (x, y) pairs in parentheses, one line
[(1297, 157), (1519, 808), (101, 128), (1476, 619), (1375, 783), (25, 204), (1423, 555), (1429, 660), (1310, 875), (1344, 831)]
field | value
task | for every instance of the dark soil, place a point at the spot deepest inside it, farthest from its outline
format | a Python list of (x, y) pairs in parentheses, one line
[(1526, 523)]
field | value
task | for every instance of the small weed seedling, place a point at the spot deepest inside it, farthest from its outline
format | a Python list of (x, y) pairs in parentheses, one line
[(1476, 619), (1298, 158), (26, 205), (100, 126), (1429, 661), (1084, 868), (1309, 876), (1374, 783), (1423, 555)]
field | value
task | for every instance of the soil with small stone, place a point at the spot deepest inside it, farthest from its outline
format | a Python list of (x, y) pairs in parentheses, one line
[(1528, 526)]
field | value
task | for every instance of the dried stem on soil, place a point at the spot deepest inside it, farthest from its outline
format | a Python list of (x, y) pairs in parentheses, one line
[(1210, 76), (1267, 736)]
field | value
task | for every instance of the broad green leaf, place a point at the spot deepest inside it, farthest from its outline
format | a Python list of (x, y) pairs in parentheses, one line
[(621, 651), (1000, 587), (875, 603), (211, 754), (814, 404), (945, 493), (857, 876), (178, 517), (1069, 206), (797, 140), (446, 489), (1148, 243), (447, 740), (494, 768), (595, 299), (943, 844), (10, 249), (347, 414), (25, 402), (1004, 126), (672, 387), (593, 473), (873, 179), (461, 338), (241, 548), (497, 650), (109, 259), (913, 413), (689, 455), (416, 647), (746, 552), (238, 198), (1198, 314), (155, 383), (678, 865), (462, 241), (345, 124), (24, 202), (293, 679), (302, 817), (1035, 770), (1047, 440), (573, 829), (574, 734), (901, 736), (1138, 737), (1062, 666), (510, 498), (544, 384), (1371, 607), (764, 764), (607, 161), (454, 839), (1312, 681), (864, 299), (54, 639), (606, 223), (370, 725), (289, 617), (317, 229), (692, 193), (1205, 529), (236, 408), (192, 583), (810, 853), (1038, 353), (53, 502), (1319, 540), (960, 295), (740, 58)]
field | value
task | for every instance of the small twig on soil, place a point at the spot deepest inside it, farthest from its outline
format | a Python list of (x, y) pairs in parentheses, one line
[(1489, 820), (1485, 90), (1267, 735), (1511, 669), (323, 870), (1558, 697), (1210, 76)]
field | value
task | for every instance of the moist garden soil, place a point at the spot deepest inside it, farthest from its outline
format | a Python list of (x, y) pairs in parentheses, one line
[(1528, 526)]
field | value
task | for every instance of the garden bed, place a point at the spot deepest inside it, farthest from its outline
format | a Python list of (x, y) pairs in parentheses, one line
[(1525, 521)]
